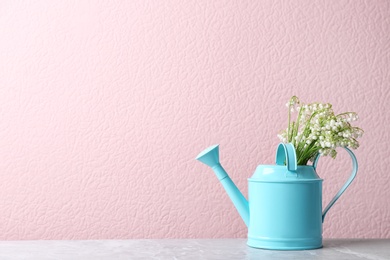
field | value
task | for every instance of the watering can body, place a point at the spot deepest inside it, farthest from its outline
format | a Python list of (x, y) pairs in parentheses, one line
[(284, 206)]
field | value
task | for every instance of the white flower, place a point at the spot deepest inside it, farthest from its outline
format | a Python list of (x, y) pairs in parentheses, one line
[(318, 130)]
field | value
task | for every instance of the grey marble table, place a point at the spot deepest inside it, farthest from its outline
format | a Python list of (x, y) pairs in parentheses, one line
[(374, 249)]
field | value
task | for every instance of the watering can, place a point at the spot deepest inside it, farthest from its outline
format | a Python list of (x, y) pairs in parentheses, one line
[(284, 206)]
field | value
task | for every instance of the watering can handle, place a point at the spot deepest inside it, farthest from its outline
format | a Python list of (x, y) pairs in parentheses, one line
[(345, 186), (285, 154)]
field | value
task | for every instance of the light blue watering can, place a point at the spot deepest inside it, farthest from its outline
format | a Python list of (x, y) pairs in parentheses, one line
[(284, 206)]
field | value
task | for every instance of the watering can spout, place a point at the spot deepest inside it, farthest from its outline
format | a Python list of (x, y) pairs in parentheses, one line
[(210, 157)]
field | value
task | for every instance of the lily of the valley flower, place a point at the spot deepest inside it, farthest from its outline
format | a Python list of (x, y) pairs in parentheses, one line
[(318, 130)]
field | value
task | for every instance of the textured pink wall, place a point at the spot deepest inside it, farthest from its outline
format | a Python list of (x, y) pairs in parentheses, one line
[(104, 106)]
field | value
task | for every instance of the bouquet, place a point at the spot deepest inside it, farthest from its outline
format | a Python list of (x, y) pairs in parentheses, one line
[(317, 129)]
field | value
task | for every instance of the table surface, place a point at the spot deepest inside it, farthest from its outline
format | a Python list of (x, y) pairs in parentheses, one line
[(373, 249)]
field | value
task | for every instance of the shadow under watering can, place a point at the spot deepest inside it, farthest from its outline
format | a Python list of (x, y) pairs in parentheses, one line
[(284, 206)]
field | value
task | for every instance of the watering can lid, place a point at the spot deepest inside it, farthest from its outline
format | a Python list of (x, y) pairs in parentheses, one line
[(286, 168), (278, 173)]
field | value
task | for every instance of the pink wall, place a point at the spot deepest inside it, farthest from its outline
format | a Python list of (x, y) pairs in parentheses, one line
[(104, 106)]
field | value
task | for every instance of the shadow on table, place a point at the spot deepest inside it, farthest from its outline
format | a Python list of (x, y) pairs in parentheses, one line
[(350, 242)]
